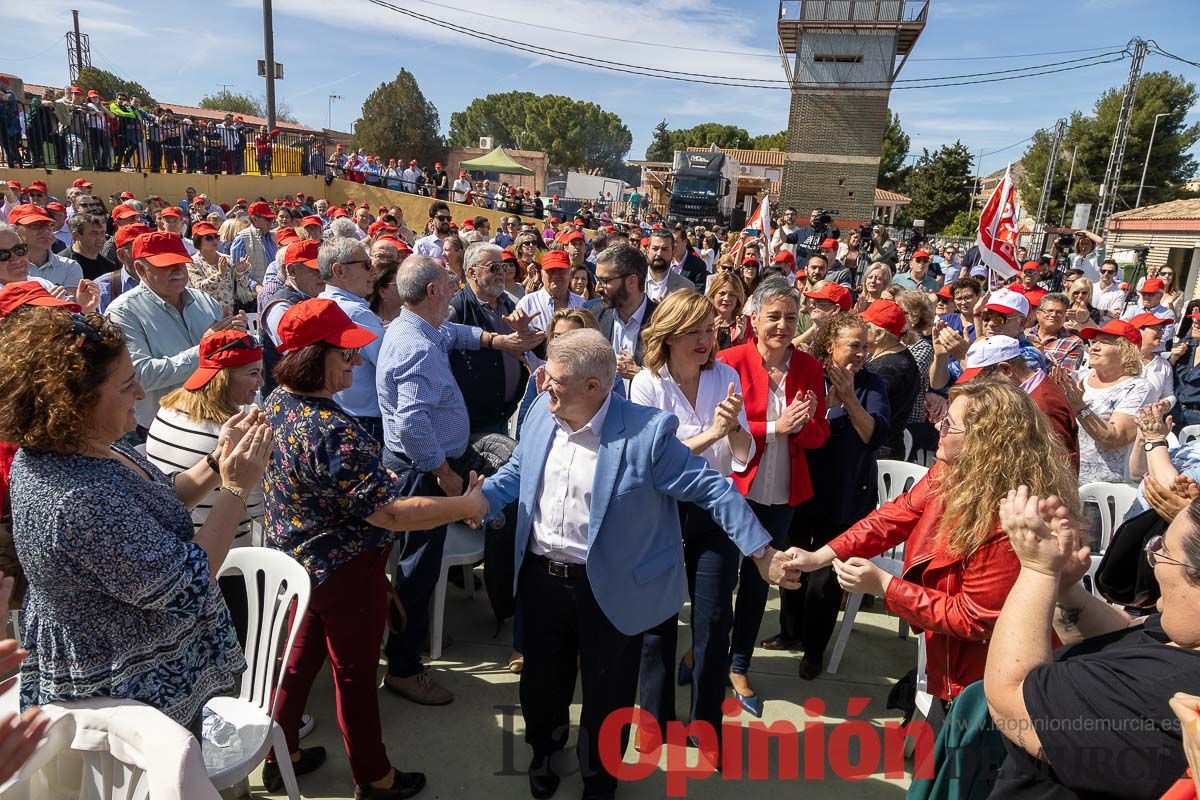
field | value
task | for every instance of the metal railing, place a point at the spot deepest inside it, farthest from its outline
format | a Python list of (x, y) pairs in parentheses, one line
[(896, 11)]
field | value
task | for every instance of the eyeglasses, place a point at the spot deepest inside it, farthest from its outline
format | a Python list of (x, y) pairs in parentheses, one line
[(1154, 554), (356, 261), (349, 354), (945, 428), (602, 281), (1108, 272), (16, 250), (210, 237), (1053, 312), (244, 343), (494, 267)]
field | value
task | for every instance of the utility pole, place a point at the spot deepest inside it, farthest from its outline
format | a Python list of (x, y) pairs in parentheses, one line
[(332, 97), (78, 48), (1111, 184), (975, 188), (1070, 177), (1039, 219), (269, 54), (1146, 166)]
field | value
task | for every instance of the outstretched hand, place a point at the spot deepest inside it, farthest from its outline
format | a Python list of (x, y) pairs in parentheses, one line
[(477, 504), (780, 567)]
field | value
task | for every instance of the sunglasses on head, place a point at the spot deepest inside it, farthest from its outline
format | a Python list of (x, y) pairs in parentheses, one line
[(81, 329), (16, 250), (244, 343)]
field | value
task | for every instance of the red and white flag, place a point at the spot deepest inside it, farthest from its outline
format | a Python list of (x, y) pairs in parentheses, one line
[(758, 228), (997, 238)]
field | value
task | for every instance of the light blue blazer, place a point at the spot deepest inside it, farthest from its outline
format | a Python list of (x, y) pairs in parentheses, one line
[(635, 550)]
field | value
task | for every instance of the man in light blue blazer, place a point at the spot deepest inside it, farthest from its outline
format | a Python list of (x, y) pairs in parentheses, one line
[(599, 555)]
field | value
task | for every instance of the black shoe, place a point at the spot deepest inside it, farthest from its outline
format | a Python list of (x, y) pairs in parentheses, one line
[(404, 784), (310, 759), (543, 781), (777, 642), (810, 669)]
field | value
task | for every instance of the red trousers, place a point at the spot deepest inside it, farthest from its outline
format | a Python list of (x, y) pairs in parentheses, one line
[(346, 618)]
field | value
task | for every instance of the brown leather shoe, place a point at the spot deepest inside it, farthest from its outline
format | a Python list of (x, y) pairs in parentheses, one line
[(420, 688)]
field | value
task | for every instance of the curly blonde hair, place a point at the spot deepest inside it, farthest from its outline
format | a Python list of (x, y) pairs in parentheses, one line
[(50, 376), (1008, 443), (678, 312)]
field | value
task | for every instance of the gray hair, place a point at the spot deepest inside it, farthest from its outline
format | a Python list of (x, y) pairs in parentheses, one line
[(477, 251), (472, 236), (414, 276), (343, 226), (1055, 297), (773, 289), (879, 265), (339, 249), (136, 205), (585, 354), (6, 228)]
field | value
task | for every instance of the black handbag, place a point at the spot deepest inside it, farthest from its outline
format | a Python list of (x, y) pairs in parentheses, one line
[(1125, 576)]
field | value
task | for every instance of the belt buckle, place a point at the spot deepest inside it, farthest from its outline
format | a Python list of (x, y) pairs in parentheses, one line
[(556, 569)]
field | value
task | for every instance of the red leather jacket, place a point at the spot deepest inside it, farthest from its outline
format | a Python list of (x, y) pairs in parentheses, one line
[(804, 373), (954, 601)]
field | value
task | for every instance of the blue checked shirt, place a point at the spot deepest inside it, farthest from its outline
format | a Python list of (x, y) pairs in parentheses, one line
[(424, 416)]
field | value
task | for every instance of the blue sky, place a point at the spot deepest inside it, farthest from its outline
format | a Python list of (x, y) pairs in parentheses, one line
[(349, 47)]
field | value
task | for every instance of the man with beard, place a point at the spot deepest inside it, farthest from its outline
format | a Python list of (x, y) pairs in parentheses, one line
[(621, 283), (492, 381), (688, 264), (808, 239), (661, 280), (432, 244)]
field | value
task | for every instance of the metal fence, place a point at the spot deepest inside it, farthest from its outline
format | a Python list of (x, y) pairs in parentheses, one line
[(68, 136)]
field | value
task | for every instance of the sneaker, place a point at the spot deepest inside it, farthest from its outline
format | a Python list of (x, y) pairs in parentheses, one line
[(310, 759), (420, 688), (404, 785), (307, 723)]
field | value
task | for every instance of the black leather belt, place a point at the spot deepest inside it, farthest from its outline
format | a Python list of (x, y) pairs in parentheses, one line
[(560, 569)]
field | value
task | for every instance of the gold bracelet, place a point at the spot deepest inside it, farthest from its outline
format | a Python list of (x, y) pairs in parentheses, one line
[(235, 491)]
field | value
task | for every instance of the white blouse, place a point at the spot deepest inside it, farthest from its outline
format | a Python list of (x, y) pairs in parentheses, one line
[(661, 391), (772, 485)]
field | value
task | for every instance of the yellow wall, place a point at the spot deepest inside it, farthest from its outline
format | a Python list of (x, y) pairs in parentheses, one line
[(228, 188)]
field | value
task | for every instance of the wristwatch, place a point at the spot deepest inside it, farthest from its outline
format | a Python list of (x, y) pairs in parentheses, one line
[(1148, 446)]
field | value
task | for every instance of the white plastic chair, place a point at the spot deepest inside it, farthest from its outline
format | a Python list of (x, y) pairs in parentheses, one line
[(895, 478), (1091, 575), (252, 323), (252, 712), (1188, 432), (464, 548), (923, 700), (1114, 500), (55, 740)]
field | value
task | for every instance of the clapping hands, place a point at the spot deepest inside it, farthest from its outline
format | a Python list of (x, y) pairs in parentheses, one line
[(725, 417), (1042, 533), (797, 414)]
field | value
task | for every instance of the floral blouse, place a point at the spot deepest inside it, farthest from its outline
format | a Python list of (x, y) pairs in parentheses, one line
[(120, 603), (325, 478), (223, 288)]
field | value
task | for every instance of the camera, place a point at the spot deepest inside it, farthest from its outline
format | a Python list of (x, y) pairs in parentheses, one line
[(824, 217)]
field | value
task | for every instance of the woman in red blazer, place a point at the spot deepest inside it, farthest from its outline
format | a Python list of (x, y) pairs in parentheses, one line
[(958, 563), (784, 391)]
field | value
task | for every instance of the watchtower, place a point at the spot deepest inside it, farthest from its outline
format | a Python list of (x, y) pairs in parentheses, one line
[(841, 57)]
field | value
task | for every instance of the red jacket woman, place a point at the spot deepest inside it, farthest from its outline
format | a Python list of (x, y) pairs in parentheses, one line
[(958, 564)]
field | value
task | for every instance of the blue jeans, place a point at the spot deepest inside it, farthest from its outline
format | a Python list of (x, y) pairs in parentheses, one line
[(752, 589), (712, 561)]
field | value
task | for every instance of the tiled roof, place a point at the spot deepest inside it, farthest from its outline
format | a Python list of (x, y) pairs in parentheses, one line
[(1176, 209), (884, 196), (756, 158)]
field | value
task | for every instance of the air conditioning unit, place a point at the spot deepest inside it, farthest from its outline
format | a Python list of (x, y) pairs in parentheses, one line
[(487, 142), (743, 170)]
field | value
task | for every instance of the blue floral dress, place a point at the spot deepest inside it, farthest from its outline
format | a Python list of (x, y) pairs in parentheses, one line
[(120, 603), (325, 478)]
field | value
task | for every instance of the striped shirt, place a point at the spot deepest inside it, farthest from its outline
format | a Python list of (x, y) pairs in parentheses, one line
[(177, 442)]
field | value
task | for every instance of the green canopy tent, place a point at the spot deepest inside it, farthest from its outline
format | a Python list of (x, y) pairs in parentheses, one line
[(496, 161)]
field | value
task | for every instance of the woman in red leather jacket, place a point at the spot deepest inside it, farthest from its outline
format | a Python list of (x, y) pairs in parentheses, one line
[(958, 563)]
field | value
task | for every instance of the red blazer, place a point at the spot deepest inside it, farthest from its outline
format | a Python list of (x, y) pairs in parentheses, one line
[(804, 373), (955, 602)]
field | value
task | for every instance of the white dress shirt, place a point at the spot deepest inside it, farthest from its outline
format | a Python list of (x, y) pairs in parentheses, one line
[(661, 391), (1110, 299), (564, 506), (625, 334), (656, 290), (773, 482), (542, 304)]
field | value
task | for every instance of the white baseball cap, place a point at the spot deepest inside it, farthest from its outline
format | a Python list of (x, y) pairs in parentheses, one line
[(1006, 301), (988, 351)]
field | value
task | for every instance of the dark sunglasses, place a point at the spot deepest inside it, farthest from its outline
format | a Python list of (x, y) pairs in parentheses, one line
[(1108, 272), (349, 354), (244, 343), (210, 237), (16, 250), (85, 332), (441, 218)]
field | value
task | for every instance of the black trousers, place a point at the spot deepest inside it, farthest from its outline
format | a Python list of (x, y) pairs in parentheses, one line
[(566, 633), (809, 614)]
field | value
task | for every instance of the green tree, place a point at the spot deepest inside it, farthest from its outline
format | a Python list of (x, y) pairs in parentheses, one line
[(660, 146), (963, 224), (1170, 162), (233, 102), (398, 122), (769, 141), (108, 84), (940, 186), (895, 149), (699, 137), (573, 134)]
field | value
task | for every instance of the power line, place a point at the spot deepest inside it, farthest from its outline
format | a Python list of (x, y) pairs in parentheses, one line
[(1008, 147), (29, 58), (719, 80), (1159, 51)]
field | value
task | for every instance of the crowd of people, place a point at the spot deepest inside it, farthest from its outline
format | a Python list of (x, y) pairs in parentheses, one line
[(700, 415)]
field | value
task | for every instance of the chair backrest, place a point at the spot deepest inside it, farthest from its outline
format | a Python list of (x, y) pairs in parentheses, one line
[(252, 323), (274, 583), (897, 477), (1188, 432), (55, 740), (1114, 500)]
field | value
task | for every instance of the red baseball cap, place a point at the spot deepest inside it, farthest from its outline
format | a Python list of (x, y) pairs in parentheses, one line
[(58, 207), (127, 196), (1148, 320), (30, 293), (946, 292), (161, 249), (222, 349), (38, 186), (1031, 266), (15, 186), (1152, 285), (311, 220), (571, 236), (261, 209), (1116, 327), (28, 214), (920, 254), (829, 244), (303, 252), (887, 315), (556, 259), (285, 236), (80, 183), (338, 212), (203, 229), (834, 292), (126, 235), (169, 211), (784, 257), (379, 225), (319, 320), (241, 201), (508, 255)]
